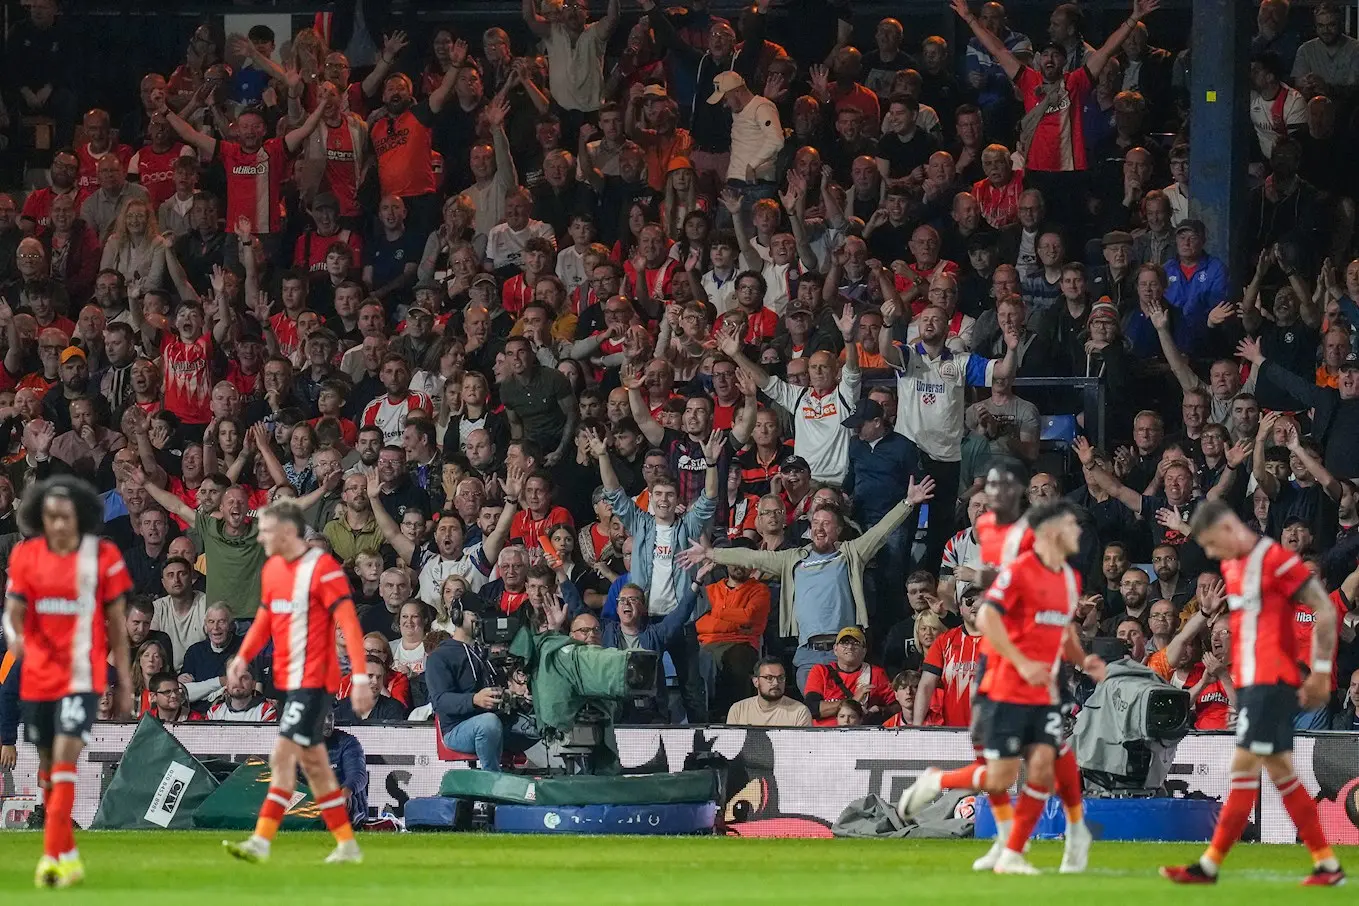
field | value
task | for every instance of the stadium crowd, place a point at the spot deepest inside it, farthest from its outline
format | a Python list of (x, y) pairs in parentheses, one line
[(703, 342)]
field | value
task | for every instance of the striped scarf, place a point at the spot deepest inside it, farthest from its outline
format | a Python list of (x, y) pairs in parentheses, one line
[(1052, 97)]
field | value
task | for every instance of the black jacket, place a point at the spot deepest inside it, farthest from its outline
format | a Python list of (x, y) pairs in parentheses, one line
[(386, 710), (710, 124)]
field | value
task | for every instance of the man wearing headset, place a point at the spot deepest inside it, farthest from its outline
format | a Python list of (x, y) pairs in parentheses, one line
[(465, 690)]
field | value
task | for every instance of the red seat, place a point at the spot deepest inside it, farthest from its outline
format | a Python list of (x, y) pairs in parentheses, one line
[(507, 759), (447, 754)]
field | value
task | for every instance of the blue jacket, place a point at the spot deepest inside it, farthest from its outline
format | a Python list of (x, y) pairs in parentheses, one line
[(9, 705), (658, 634), (879, 475), (351, 772), (454, 673), (642, 527), (1194, 297)]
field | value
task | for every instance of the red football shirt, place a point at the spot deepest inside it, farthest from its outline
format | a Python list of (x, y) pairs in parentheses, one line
[(88, 180), (38, 204), (954, 658), (310, 250), (1000, 544), (823, 684), (254, 184), (1260, 591), (66, 642), (298, 600), (339, 177), (1059, 141), (187, 377), (1037, 604), (155, 171), (1303, 621), (527, 529), (1212, 708)]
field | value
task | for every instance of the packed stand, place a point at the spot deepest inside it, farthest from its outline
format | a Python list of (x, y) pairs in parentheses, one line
[(704, 347)]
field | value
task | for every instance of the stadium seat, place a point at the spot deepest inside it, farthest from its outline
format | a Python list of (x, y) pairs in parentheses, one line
[(1059, 430), (447, 754), (507, 759)]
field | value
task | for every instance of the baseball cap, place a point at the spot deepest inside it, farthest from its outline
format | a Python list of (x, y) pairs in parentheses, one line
[(325, 200), (1053, 45), (851, 632), (412, 309), (799, 307), (724, 82), (71, 352), (795, 464), (433, 286), (1351, 361), (868, 409), (1192, 224), (250, 332), (483, 278), (1116, 237), (654, 91)]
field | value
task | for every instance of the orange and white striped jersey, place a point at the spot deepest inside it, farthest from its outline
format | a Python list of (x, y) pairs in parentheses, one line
[(298, 598), (65, 639), (1260, 591)]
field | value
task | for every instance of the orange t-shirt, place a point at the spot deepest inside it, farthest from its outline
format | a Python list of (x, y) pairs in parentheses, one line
[(403, 146)]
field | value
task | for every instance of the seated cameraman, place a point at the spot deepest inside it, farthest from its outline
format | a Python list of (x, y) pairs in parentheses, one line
[(466, 692)]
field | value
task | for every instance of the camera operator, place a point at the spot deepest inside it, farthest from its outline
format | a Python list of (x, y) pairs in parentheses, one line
[(470, 696)]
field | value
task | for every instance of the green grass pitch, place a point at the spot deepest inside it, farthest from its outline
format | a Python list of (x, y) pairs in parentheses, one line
[(191, 869)]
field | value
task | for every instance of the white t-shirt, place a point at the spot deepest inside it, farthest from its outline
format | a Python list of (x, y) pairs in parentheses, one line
[(818, 435), (662, 594), (721, 292), (931, 397), (471, 566), (505, 247), (409, 657), (571, 268), (1292, 112)]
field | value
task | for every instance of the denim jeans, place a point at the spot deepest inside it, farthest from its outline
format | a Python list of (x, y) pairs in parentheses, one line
[(804, 659), (487, 737)]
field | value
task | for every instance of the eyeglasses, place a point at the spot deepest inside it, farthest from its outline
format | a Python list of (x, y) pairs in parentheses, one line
[(850, 643), (587, 630), (772, 678), (29, 256), (630, 599), (171, 691)]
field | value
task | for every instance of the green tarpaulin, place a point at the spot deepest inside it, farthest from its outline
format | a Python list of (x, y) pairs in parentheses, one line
[(236, 803), (158, 784)]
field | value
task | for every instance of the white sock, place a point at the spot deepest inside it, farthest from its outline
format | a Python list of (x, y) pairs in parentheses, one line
[(260, 841), (1209, 866), (70, 856), (1331, 864), (1002, 831)]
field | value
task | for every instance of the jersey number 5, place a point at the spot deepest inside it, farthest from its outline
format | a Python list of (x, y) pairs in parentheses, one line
[(292, 715)]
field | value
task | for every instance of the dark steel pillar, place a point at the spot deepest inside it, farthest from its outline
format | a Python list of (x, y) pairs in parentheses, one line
[(1219, 125)]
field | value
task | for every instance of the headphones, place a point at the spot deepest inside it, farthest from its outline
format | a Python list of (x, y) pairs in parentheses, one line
[(455, 613)]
